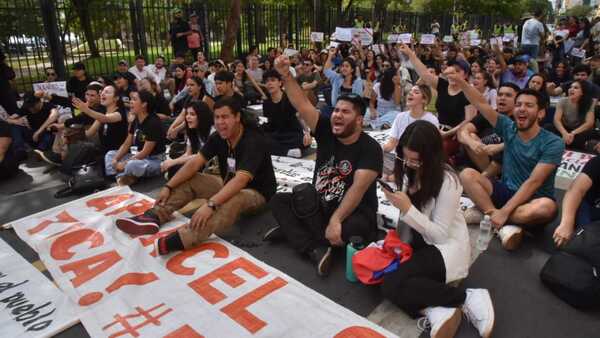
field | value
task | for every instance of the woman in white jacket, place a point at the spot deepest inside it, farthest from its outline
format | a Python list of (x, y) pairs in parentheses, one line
[(429, 204)]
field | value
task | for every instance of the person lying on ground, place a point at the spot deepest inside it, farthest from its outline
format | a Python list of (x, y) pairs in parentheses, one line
[(245, 184), (524, 196), (348, 162)]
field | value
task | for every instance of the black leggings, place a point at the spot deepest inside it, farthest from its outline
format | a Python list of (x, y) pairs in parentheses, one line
[(420, 282)]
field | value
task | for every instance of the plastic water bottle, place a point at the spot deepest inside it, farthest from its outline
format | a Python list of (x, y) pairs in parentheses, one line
[(485, 233), (355, 244)]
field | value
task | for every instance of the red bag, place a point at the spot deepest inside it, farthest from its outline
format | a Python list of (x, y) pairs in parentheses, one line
[(373, 262)]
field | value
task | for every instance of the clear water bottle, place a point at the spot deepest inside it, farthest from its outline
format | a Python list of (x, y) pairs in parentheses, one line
[(485, 233)]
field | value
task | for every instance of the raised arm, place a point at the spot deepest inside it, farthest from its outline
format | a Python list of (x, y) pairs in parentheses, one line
[(295, 94), (429, 79), (476, 99)]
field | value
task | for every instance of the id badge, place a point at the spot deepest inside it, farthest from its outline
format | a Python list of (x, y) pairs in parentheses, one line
[(231, 164)]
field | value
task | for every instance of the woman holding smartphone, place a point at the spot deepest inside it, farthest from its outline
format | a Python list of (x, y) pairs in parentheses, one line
[(428, 199)]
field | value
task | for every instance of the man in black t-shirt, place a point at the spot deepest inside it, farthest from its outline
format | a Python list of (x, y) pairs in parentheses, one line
[(78, 83), (29, 125), (8, 162), (482, 145), (581, 204), (178, 32), (348, 162), (246, 183), (224, 87), (283, 126)]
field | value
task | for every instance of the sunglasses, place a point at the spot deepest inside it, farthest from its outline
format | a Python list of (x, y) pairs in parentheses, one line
[(409, 163)]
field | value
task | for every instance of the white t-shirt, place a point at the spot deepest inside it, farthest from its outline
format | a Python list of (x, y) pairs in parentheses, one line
[(141, 74), (403, 120), (159, 74), (532, 29)]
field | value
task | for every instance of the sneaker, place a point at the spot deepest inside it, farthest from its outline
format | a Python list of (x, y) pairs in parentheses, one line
[(444, 321), (160, 247), (473, 215), (511, 236), (126, 180), (479, 310), (322, 257), (273, 235), (296, 153), (144, 224), (49, 157)]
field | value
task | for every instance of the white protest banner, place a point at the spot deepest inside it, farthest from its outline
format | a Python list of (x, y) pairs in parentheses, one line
[(405, 38), (393, 38), (316, 36), (121, 289), (448, 38), (475, 42), (364, 35), (58, 88), (30, 305), (578, 52), (289, 52), (571, 165), (378, 49), (343, 34), (427, 39)]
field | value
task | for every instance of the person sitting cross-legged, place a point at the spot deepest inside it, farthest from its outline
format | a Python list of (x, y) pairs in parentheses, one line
[(525, 194), (581, 204), (245, 184), (348, 162)]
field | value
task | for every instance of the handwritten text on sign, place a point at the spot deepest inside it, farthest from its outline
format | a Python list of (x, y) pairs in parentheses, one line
[(110, 276)]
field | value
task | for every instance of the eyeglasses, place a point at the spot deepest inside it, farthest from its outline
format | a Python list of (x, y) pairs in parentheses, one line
[(409, 162)]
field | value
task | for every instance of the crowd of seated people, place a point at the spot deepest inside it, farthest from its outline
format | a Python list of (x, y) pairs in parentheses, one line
[(488, 123)]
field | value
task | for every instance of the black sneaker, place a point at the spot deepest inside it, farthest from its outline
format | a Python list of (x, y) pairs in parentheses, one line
[(49, 156), (274, 234), (145, 224), (322, 257)]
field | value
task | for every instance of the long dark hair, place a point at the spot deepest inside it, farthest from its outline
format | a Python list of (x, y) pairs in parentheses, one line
[(200, 84), (205, 123), (424, 138), (585, 102), (149, 99), (353, 66), (386, 88)]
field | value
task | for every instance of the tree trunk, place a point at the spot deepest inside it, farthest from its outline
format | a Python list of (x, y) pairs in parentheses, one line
[(82, 10), (233, 25)]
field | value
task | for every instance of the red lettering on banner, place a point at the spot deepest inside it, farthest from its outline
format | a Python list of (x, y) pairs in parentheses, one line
[(64, 231), (62, 217), (358, 332), (134, 208), (238, 309), (61, 246), (184, 332), (91, 267), (132, 330), (105, 202), (225, 273), (132, 278), (175, 264)]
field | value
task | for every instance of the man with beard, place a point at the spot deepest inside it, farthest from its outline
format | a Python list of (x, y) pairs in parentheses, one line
[(524, 196), (178, 33), (519, 74), (348, 162)]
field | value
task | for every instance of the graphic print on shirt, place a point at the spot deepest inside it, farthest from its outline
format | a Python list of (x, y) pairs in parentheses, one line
[(331, 180)]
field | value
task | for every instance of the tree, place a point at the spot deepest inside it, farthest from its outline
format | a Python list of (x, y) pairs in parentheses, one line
[(233, 25), (83, 13)]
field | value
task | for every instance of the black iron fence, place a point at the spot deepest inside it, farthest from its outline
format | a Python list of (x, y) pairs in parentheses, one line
[(37, 34)]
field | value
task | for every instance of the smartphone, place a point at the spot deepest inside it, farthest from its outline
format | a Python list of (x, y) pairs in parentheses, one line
[(385, 185)]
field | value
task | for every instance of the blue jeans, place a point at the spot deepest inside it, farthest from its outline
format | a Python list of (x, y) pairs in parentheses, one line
[(586, 214), (531, 50), (386, 117), (148, 167), (23, 135)]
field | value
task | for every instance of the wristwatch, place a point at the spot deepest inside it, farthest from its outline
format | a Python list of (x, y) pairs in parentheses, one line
[(211, 204)]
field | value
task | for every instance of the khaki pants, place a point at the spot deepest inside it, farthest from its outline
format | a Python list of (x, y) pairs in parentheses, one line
[(204, 186)]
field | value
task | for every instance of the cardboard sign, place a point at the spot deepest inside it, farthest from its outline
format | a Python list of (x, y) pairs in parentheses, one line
[(405, 38), (578, 52), (448, 38), (333, 44), (289, 52), (58, 88), (364, 35), (427, 39), (343, 34), (121, 288), (393, 38), (316, 36)]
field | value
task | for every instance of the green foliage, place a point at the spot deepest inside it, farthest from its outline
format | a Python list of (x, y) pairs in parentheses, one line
[(579, 11)]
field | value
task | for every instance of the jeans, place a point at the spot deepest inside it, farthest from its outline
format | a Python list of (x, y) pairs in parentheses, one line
[(420, 282), (304, 236), (204, 186), (531, 50), (23, 135), (148, 167), (385, 117)]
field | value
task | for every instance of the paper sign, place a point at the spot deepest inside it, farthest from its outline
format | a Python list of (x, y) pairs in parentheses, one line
[(316, 36), (378, 49), (405, 37), (364, 35), (427, 39), (496, 42), (475, 42), (394, 38), (448, 38), (508, 37), (333, 44), (578, 52), (473, 35), (58, 88), (343, 34), (289, 52)]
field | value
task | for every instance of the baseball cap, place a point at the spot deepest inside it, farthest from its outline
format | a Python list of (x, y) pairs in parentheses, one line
[(123, 62), (193, 14), (462, 64), (524, 58), (78, 66)]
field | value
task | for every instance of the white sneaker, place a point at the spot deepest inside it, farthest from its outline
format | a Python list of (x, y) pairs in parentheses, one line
[(473, 215), (479, 310), (511, 236), (444, 321), (296, 153)]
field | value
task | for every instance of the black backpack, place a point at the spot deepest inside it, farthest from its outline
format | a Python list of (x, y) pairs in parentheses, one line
[(78, 155), (574, 273), (82, 166)]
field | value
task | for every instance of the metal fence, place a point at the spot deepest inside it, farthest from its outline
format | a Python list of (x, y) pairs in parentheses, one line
[(36, 34)]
